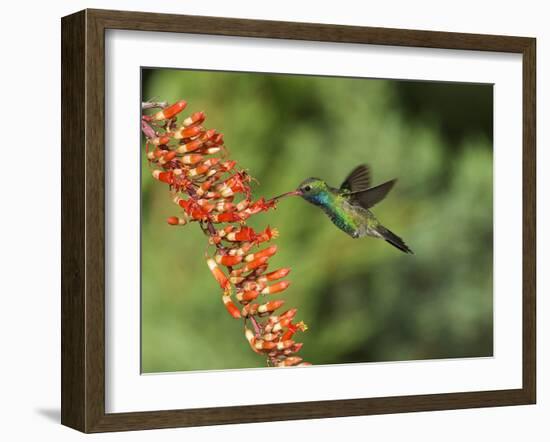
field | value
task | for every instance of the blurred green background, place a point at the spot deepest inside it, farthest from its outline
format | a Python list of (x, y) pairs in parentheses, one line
[(363, 300)]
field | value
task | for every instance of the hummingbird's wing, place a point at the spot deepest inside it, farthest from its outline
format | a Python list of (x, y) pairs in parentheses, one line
[(357, 180), (370, 197)]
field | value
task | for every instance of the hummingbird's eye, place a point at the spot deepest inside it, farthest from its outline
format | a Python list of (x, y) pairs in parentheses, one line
[(307, 188)]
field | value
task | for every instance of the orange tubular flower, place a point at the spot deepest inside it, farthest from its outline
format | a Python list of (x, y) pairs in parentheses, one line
[(215, 193), (170, 111)]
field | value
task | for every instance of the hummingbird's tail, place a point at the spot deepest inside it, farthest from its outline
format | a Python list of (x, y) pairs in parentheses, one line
[(393, 239)]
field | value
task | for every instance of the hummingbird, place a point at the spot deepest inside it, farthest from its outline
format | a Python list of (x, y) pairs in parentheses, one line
[(348, 206)]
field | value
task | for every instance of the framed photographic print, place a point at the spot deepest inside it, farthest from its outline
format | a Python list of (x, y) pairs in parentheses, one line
[(268, 220)]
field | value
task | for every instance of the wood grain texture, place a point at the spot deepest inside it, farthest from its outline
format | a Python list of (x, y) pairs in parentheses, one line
[(95, 221), (83, 220), (73, 252), (529, 220), (146, 21)]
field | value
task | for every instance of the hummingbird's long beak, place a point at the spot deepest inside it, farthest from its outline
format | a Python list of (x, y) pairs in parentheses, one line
[(296, 192)]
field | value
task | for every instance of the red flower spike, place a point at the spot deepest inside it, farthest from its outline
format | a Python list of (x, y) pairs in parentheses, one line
[(206, 189)]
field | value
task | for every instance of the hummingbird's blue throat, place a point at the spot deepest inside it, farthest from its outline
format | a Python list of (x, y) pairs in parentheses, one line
[(320, 199)]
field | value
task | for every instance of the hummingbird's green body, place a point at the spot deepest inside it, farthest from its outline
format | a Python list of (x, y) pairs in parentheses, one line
[(348, 207), (352, 219)]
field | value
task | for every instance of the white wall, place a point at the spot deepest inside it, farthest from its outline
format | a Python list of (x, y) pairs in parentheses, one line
[(30, 220)]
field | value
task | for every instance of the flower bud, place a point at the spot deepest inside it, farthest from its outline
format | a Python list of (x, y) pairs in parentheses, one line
[(196, 118), (176, 221), (170, 111), (276, 288)]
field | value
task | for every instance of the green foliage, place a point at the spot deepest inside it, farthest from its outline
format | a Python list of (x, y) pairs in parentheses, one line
[(363, 300)]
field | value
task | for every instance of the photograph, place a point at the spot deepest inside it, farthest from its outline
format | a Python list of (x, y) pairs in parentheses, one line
[(303, 220)]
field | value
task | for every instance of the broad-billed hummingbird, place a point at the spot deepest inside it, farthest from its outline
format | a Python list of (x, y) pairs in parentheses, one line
[(349, 206)]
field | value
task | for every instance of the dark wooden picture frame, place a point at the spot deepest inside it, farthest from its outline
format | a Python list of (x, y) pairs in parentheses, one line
[(83, 220)]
